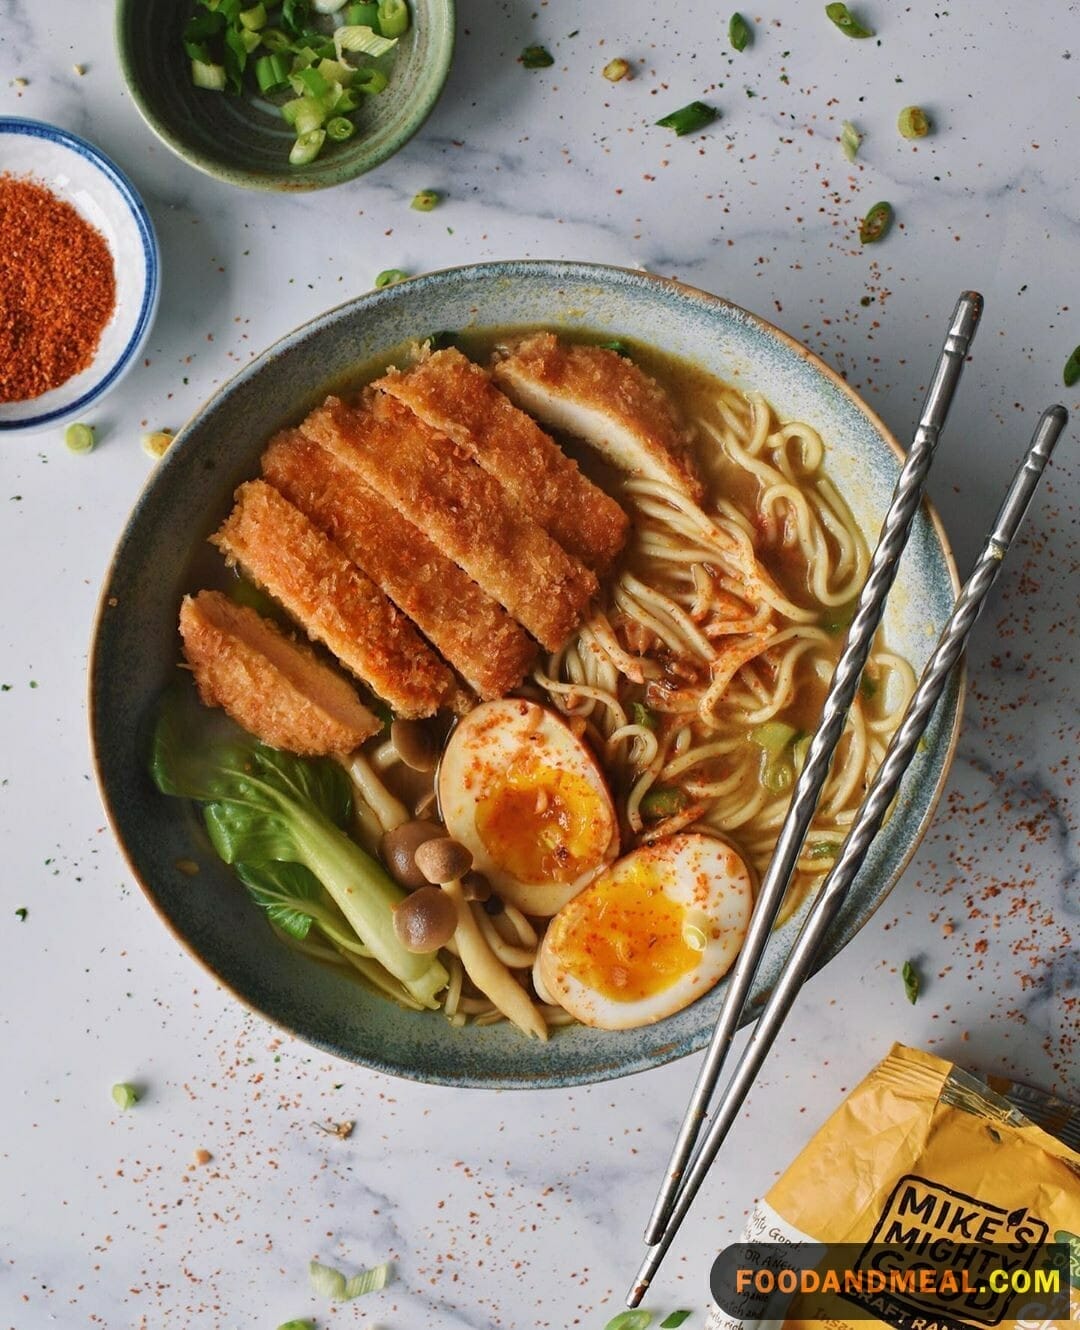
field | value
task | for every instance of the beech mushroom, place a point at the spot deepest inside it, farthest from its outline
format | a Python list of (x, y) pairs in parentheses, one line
[(443, 860), (399, 848), (426, 920)]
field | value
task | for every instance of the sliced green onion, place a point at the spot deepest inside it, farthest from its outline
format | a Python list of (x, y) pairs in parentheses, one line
[(390, 277), (1071, 372), (740, 34), (367, 1281), (774, 736), (799, 751), (254, 19), (272, 73), (620, 348), (426, 200), (635, 1320), (868, 687), (838, 620), (775, 775), (156, 443), (339, 129), (536, 57), (304, 114), (250, 41), (247, 593), (79, 438), (850, 27), (327, 6), (850, 138), (362, 15), (276, 41), (208, 76), (393, 18), (297, 1325), (326, 1281), (337, 71), (910, 976), (690, 118), (913, 123), (694, 936), (369, 80), (643, 716), (825, 849), (676, 1319), (439, 341), (125, 1095), (307, 147), (311, 81), (663, 801), (616, 70), (875, 225), (362, 41)]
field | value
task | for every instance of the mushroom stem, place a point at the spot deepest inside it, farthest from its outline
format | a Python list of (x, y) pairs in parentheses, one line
[(391, 812), (488, 973)]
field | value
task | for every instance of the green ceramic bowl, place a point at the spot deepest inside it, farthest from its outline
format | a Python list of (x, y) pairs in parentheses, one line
[(247, 143), (136, 647)]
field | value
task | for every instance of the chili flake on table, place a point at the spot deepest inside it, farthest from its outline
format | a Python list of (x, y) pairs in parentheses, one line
[(57, 289)]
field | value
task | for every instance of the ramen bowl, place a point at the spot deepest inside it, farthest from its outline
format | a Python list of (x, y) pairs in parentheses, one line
[(135, 648)]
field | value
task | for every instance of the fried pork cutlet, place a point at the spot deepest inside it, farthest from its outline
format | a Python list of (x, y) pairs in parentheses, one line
[(457, 397), (337, 604), (277, 689), (604, 399), (462, 509), (472, 631)]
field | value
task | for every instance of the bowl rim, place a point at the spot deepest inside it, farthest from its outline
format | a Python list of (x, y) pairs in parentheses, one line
[(64, 138), (479, 271), (268, 181)]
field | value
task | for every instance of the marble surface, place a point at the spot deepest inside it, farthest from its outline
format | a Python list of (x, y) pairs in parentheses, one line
[(524, 1210)]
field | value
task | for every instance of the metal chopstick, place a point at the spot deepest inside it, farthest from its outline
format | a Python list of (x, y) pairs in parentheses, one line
[(871, 604), (801, 960)]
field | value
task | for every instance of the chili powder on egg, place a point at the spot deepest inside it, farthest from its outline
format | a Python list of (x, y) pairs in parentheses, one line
[(57, 289)]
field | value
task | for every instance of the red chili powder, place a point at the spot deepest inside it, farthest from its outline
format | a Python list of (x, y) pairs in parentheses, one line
[(57, 290)]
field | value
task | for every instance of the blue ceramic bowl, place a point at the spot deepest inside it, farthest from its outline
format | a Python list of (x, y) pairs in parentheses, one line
[(83, 176), (136, 648)]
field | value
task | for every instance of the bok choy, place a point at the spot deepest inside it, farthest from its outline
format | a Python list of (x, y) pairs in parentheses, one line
[(278, 820)]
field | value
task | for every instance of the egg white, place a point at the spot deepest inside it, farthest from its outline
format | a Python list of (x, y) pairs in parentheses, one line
[(698, 872), (483, 746)]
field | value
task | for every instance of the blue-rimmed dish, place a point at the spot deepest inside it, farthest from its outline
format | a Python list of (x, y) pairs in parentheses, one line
[(83, 176), (136, 646)]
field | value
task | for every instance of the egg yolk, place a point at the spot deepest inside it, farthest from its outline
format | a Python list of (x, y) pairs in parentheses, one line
[(623, 938), (543, 824)]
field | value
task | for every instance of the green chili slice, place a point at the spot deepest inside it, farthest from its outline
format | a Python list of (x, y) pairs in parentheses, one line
[(875, 225), (849, 26)]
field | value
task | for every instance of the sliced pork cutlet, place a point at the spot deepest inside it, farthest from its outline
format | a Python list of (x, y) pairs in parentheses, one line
[(474, 633), (461, 509), (604, 399), (457, 397), (277, 689), (285, 553)]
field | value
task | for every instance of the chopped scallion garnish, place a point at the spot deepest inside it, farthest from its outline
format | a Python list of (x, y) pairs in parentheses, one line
[(297, 1325), (536, 57), (254, 19), (849, 26), (367, 1281), (690, 118), (125, 1095), (663, 801), (426, 200), (393, 18), (362, 15), (340, 128), (326, 1281), (740, 34), (850, 138), (635, 1320), (913, 123), (824, 849), (439, 341), (616, 70), (619, 347), (332, 1284), (272, 74), (390, 277), (1071, 373), (79, 438), (676, 1319), (643, 716), (875, 225), (208, 76), (912, 984), (307, 147), (774, 736), (362, 41), (156, 443), (369, 80)]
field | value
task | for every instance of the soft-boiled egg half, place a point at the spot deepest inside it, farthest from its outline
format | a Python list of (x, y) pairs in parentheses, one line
[(527, 797), (650, 935)]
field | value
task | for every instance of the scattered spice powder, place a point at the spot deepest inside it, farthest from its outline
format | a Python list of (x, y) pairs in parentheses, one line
[(57, 289)]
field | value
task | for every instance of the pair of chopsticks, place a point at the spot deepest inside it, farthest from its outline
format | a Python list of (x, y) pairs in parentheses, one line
[(686, 1169)]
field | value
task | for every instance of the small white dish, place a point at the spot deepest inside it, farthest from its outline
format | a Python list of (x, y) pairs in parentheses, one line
[(83, 176)]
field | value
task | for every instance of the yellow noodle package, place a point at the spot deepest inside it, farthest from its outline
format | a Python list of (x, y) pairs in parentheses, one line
[(926, 1202)]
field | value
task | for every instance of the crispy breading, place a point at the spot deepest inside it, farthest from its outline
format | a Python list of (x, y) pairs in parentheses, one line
[(603, 398), (473, 632), (462, 509), (457, 397), (277, 689), (337, 604)]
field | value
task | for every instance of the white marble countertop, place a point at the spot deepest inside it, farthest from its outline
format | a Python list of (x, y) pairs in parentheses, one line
[(524, 1210)]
